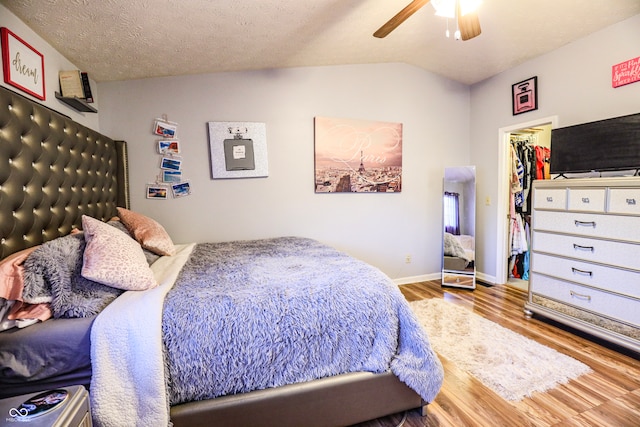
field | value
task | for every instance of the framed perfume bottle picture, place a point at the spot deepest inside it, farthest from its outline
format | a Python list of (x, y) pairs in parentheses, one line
[(524, 96)]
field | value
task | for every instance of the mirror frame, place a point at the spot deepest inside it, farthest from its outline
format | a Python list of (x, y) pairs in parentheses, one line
[(458, 268)]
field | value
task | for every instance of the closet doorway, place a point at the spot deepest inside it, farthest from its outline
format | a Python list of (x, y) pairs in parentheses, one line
[(538, 132)]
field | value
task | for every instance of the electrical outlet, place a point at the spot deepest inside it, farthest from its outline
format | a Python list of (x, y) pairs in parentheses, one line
[(407, 259)]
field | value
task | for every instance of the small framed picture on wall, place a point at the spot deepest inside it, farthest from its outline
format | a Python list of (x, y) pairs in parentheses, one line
[(171, 147), (524, 96), (158, 192), (171, 163), (181, 189)]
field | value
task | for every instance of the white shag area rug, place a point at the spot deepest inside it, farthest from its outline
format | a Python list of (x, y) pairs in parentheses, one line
[(510, 364)]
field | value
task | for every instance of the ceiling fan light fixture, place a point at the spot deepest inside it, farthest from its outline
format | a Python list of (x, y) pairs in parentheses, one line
[(447, 8), (467, 23)]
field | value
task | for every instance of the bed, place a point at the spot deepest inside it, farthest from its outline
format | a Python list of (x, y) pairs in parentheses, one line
[(459, 251), (57, 176)]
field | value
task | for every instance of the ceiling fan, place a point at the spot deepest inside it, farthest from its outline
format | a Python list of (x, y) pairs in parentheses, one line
[(468, 24)]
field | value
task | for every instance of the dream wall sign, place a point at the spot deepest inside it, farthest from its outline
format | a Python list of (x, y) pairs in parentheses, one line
[(357, 156), (23, 66)]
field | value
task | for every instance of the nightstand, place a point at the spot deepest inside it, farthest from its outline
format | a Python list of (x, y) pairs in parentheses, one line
[(73, 411)]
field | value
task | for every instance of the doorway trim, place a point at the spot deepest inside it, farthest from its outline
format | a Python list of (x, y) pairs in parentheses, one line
[(502, 205)]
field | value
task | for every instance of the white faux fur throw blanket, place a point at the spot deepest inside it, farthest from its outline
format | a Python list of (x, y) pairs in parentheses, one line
[(127, 336)]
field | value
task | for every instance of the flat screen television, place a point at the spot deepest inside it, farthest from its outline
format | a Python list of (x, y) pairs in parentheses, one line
[(604, 145)]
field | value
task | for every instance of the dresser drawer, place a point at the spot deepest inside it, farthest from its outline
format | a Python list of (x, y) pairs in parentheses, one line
[(626, 228), (550, 198), (607, 278), (604, 303), (455, 279), (626, 255), (587, 199), (624, 200)]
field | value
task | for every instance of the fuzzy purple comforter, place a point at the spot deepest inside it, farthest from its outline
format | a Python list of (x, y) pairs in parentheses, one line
[(250, 315)]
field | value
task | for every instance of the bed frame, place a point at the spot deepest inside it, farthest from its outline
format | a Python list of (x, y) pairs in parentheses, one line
[(54, 170)]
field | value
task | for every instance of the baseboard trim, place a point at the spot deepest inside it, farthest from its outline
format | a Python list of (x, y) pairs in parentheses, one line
[(415, 279), (485, 278)]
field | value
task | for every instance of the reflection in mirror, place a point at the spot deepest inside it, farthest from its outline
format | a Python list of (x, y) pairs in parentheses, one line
[(459, 218)]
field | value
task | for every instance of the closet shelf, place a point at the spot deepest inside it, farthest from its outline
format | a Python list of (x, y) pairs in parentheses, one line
[(76, 103)]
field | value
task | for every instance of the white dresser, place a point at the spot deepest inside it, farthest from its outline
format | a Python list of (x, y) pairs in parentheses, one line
[(585, 256)]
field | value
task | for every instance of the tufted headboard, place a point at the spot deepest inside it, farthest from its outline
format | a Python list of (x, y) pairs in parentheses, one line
[(52, 171)]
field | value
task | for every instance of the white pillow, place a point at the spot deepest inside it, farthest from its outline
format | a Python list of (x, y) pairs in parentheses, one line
[(113, 258)]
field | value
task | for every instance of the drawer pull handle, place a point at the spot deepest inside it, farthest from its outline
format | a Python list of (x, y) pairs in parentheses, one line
[(631, 202), (549, 199), (585, 223), (578, 271), (582, 296), (585, 200), (583, 248)]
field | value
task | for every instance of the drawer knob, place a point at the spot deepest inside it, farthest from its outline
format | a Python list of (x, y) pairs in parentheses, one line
[(549, 199), (585, 223), (631, 202), (585, 200), (581, 296), (583, 248), (583, 272)]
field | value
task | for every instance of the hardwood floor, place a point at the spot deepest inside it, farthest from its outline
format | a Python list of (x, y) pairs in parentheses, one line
[(609, 396)]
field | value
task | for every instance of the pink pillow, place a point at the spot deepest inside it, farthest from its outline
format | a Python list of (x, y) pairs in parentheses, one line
[(149, 233), (11, 287), (12, 274), (113, 258)]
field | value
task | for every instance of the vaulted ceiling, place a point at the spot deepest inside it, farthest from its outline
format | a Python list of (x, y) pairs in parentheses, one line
[(124, 39)]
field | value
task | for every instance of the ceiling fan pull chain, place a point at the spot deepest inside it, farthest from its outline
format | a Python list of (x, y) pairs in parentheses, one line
[(457, 18)]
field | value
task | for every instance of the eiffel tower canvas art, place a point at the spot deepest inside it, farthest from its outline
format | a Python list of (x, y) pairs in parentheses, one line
[(357, 156)]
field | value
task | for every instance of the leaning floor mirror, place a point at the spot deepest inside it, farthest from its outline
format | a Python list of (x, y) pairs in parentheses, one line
[(459, 218)]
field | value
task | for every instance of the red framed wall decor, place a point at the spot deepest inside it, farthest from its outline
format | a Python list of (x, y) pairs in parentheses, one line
[(23, 66), (625, 73)]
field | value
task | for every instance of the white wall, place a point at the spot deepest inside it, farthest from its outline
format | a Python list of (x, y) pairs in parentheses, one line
[(574, 84), (53, 63), (378, 228)]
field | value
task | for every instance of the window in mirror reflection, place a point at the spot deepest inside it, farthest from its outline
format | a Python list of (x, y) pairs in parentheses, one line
[(452, 213)]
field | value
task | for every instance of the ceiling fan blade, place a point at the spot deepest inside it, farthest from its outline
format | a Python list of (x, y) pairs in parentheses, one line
[(469, 25), (400, 17)]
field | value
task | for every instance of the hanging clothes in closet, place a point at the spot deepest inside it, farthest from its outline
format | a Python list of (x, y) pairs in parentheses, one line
[(529, 162)]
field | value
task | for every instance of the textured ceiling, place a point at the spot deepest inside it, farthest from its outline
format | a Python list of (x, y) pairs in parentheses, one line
[(133, 39)]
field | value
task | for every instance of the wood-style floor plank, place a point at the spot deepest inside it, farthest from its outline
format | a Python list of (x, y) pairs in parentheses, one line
[(609, 396)]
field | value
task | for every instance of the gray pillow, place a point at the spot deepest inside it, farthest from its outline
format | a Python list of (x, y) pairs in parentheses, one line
[(52, 273)]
